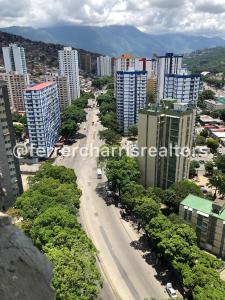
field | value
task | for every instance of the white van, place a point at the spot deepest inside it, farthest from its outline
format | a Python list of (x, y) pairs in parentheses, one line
[(99, 173)]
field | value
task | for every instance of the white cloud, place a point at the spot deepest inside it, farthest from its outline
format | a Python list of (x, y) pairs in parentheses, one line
[(210, 6), (195, 16)]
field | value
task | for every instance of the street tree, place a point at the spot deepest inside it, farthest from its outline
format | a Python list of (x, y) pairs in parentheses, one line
[(109, 120), (147, 210), (122, 171), (133, 131), (19, 129), (182, 189), (204, 133), (200, 140), (69, 128), (220, 162), (213, 144), (209, 166), (110, 136), (217, 181)]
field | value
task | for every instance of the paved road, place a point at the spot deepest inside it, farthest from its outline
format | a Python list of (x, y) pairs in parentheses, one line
[(127, 274)]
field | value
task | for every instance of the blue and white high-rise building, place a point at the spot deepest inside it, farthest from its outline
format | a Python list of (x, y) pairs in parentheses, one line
[(14, 59), (168, 64), (131, 95), (183, 87), (43, 117)]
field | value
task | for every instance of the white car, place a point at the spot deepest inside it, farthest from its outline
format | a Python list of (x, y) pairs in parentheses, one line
[(171, 292)]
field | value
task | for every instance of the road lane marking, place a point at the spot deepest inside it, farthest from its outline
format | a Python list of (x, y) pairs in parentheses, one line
[(119, 266)]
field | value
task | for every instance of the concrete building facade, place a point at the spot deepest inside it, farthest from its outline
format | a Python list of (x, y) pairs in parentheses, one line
[(131, 95), (104, 66), (63, 89), (152, 88), (43, 117), (168, 64), (85, 62), (208, 219), (68, 66), (217, 104), (161, 129), (14, 59), (183, 86), (10, 178), (17, 83)]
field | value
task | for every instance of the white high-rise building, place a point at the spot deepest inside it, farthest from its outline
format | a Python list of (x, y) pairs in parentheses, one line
[(168, 64), (131, 95), (68, 66), (104, 66), (43, 117), (14, 59), (183, 86)]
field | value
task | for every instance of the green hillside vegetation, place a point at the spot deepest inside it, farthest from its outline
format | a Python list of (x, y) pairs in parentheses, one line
[(212, 60)]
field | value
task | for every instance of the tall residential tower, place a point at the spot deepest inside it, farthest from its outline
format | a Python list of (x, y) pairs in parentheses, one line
[(43, 117), (68, 66), (166, 132), (168, 64), (104, 66), (131, 94), (183, 86), (14, 59)]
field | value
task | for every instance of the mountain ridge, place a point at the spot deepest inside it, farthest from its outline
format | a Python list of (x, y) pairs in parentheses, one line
[(39, 55), (116, 39)]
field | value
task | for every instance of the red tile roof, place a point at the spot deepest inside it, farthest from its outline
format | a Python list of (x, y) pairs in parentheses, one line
[(40, 86)]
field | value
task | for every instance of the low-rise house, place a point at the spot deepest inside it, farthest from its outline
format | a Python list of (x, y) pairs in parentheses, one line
[(205, 119), (217, 104), (208, 219)]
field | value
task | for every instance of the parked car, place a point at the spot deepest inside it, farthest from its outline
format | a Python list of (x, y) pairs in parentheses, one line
[(201, 161), (171, 292)]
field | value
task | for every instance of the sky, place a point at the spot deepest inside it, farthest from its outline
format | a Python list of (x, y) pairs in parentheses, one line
[(206, 17)]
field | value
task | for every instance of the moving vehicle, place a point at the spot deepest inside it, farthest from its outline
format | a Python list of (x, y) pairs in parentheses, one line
[(99, 173), (171, 292)]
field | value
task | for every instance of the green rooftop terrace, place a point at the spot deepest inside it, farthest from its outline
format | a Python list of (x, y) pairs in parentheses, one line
[(221, 100), (203, 205)]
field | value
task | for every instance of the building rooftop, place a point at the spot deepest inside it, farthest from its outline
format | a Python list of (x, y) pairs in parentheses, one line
[(158, 110), (219, 134), (40, 86), (209, 119), (203, 205), (126, 56), (218, 101)]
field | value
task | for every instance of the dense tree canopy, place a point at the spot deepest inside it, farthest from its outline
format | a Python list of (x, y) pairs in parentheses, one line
[(133, 130), (73, 115), (122, 171), (110, 136), (50, 210)]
